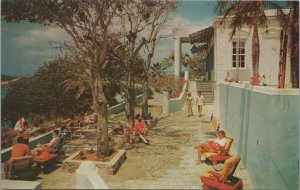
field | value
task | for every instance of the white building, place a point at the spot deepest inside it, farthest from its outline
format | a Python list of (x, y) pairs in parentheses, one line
[(225, 56)]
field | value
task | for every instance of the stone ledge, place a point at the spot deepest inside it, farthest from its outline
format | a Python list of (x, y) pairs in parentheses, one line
[(18, 184), (111, 167)]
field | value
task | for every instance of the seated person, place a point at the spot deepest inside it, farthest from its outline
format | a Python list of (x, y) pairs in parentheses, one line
[(140, 130), (20, 125), (150, 121), (49, 147), (71, 122), (217, 145), (223, 173), (19, 149), (80, 120)]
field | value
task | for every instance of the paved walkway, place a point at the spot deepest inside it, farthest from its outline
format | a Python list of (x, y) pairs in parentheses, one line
[(167, 163)]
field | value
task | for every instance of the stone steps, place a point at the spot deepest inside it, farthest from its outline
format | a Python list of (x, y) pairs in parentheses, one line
[(207, 90)]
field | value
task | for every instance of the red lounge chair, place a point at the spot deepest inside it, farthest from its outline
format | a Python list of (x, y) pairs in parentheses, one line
[(222, 156), (224, 179)]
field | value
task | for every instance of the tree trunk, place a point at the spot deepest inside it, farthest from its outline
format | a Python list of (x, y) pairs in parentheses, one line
[(145, 97), (102, 117), (130, 103), (130, 96), (255, 56), (145, 82), (238, 60), (282, 60)]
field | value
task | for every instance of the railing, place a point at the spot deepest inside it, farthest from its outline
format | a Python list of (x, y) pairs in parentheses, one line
[(175, 104), (42, 139), (121, 107), (87, 177)]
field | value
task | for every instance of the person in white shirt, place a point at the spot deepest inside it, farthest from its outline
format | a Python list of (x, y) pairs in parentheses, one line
[(20, 125), (49, 147), (217, 145), (200, 102)]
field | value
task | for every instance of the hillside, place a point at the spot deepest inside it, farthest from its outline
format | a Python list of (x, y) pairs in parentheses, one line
[(6, 78)]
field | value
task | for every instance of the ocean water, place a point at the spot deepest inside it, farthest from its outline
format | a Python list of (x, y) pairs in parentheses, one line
[(4, 92)]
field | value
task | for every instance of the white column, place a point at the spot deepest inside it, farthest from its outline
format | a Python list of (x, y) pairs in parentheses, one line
[(177, 57), (166, 104), (87, 177), (186, 75)]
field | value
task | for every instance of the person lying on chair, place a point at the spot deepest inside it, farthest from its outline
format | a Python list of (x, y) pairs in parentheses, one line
[(49, 147), (217, 145), (19, 149)]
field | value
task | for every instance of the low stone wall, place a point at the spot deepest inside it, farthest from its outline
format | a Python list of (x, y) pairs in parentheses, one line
[(264, 123), (87, 177), (176, 104), (121, 107), (42, 139), (18, 184)]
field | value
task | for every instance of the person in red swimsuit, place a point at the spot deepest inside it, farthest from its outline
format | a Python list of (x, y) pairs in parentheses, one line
[(217, 145), (140, 130)]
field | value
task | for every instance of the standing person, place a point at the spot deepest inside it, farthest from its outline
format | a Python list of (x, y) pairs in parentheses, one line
[(21, 129), (189, 103), (200, 102)]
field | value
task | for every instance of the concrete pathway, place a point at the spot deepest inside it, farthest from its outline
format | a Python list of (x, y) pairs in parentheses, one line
[(167, 163)]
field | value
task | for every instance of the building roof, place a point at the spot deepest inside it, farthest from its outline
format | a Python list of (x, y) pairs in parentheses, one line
[(269, 13), (185, 32), (202, 36)]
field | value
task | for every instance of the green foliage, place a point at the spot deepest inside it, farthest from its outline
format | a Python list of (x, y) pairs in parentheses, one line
[(57, 89), (167, 83), (139, 91), (42, 97), (156, 69)]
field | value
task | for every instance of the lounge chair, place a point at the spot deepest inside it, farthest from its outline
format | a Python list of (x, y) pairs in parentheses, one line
[(224, 179), (212, 127), (52, 156), (222, 156), (22, 167), (213, 132)]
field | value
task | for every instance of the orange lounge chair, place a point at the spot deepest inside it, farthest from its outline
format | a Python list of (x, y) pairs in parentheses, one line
[(222, 156), (224, 179)]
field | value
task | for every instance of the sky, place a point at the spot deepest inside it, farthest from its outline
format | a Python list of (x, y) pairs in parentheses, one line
[(24, 46)]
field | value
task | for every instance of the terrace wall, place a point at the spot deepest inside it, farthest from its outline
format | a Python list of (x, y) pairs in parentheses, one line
[(264, 123)]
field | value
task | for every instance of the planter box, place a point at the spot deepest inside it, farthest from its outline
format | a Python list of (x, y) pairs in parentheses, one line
[(111, 166)]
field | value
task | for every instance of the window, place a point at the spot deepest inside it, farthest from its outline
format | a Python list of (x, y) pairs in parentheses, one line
[(238, 56)]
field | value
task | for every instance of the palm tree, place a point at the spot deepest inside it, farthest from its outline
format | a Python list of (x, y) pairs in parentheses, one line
[(294, 43), (249, 13), (290, 32)]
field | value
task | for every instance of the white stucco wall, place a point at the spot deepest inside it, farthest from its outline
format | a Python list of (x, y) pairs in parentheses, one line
[(269, 52)]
